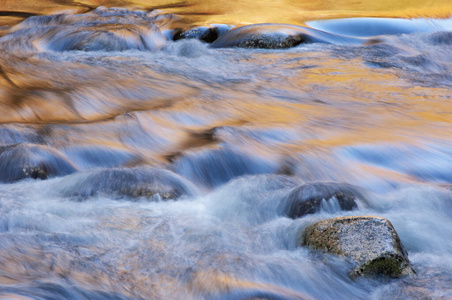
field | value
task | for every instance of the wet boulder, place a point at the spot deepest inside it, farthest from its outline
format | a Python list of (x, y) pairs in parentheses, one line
[(310, 198), (151, 183), (206, 34), (371, 243), (32, 161), (202, 33), (276, 36), (104, 29)]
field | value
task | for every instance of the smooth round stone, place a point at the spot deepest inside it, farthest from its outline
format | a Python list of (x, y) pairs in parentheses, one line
[(150, 183), (277, 36), (310, 197), (32, 161)]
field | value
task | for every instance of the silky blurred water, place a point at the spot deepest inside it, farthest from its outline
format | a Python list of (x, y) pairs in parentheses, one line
[(103, 109)]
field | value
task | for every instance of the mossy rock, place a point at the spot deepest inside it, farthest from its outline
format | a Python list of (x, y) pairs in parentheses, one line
[(371, 243)]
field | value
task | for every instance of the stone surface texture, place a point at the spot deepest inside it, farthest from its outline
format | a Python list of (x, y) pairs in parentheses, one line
[(371, 242)]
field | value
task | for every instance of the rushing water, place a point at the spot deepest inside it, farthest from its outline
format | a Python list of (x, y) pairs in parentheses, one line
[(164, 163)]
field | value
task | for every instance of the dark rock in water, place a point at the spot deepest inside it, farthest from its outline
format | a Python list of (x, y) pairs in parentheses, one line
[(131, 182), (204, 33), (370, 242), (222, 29), (277, 36), (309, 198), (32, 161), (213, 167)]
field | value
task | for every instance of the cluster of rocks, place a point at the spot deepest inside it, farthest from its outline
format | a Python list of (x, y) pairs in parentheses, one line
[(370, 243), (118, 29), (262, 36), (113, 29), (34, 161)]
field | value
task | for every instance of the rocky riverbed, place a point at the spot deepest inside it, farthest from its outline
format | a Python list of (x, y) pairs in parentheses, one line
[(145, 154)]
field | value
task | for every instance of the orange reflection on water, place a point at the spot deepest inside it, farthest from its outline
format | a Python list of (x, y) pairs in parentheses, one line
[(240, 11)]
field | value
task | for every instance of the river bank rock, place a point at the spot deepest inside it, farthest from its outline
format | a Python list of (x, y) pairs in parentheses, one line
[(32, 161), (127, 182), (309, 198), (370, 242)]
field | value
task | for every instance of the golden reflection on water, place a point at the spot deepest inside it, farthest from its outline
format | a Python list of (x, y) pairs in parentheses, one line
[(340, 102), (126, 105), (240, 11), (345, 103)]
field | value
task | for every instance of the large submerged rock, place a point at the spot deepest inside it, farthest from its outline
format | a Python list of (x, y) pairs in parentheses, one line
[(130, 182), (277, 36), (104, 29), (32, 161), (311, 197), (370, 242)]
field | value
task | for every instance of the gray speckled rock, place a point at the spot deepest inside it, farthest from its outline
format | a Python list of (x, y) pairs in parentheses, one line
[(371, 242)]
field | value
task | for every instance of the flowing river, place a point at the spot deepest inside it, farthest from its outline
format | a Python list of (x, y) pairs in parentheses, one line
[(138, 165)]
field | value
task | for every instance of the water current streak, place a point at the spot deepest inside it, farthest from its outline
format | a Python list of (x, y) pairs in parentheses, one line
[(145, 157)]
